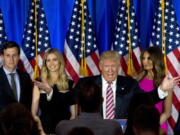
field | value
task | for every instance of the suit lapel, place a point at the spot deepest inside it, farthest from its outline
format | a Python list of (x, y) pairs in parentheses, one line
[(118, 84), (98, 81), (7, 87), (119, 91), (121, 85)]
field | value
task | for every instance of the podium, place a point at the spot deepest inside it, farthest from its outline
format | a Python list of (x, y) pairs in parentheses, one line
[(123, 123)]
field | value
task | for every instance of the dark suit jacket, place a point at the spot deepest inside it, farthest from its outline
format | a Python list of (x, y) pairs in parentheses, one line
[(93, 121), (6, 93), (126, 88)]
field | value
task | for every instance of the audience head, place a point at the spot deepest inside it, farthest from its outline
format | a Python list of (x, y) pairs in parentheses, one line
[(136, 101), (152, 61), (89, 96), (146, 120), (16, 119), (81, 131), (53, 62), (109, 65), (10, 55)]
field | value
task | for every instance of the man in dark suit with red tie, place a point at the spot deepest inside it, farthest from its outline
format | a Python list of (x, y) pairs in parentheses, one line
[(15, 85), (89, 99), (124, 88)]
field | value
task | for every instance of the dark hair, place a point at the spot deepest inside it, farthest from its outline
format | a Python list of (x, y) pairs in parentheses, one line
[(146, 118), (156, 56), (137, 100), (81, 131), (16, 119), (10, 44), (89, 96)]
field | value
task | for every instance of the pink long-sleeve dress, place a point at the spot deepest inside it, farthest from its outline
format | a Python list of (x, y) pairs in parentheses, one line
[(148, 85)]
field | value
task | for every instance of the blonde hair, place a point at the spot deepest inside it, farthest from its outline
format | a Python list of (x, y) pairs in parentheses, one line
[(62, 81), (112, 55), (158, 65)]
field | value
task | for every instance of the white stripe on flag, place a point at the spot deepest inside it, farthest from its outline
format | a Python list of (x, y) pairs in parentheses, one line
[(137, 53), (26, 63), (177, 92), (174, 113), (71, 58), (92, 66), (69, 76), (170, 130), (40, 61), (172, 58)]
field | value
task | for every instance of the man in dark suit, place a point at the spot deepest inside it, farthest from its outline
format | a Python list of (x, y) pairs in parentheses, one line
[(89, 98), (124, 88), (15, 85)]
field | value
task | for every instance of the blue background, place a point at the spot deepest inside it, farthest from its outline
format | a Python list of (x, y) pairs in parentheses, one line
[(58, 14)]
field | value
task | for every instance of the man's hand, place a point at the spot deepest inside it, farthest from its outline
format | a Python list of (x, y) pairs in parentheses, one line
[(169, 83)]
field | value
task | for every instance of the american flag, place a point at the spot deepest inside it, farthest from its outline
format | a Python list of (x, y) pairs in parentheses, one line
[(172, 41), (121, 41), (73, 49), (3, 36), (28, 43)]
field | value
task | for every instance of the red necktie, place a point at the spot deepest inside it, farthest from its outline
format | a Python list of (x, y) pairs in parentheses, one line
[(109, 103)]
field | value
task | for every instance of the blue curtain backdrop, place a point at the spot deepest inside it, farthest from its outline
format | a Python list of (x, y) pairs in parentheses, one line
[(58, 14)]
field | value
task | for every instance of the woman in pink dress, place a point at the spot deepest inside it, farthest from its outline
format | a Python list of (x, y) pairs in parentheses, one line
[(151, 75)]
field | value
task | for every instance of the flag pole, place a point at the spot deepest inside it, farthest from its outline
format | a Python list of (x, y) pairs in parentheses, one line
[(83, 66), (36, 69), (130, 70), (163, 35)]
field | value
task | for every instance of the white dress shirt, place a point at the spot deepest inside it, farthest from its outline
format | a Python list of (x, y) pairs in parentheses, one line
[(104, 89)]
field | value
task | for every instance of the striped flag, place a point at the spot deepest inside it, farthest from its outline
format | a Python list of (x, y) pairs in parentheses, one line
[(125, 35), (172, 49), (80, 43), (36, 38), (3, 36)]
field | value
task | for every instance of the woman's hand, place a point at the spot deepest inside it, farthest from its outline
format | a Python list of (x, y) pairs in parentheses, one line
[(169, 83), (43, 86)]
